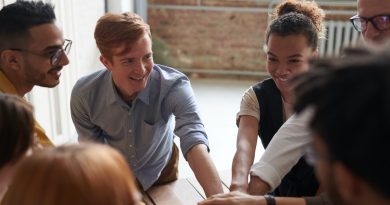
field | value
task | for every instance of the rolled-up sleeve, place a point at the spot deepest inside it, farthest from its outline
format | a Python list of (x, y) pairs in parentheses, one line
[(285, 149), (188, 124)]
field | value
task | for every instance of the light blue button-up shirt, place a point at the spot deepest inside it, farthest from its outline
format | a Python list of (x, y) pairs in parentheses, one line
[(144, 132)]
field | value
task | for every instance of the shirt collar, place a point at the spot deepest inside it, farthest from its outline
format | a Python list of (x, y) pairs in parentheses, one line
[(144, 95), (113, 95), (5, 85)]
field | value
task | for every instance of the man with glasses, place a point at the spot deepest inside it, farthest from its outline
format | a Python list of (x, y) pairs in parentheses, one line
[(373, 20), (32, 51)]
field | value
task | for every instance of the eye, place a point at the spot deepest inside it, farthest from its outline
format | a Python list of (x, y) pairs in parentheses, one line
[(50, 53), (272, 59), (127, 61), (148, 56), (295, 60)]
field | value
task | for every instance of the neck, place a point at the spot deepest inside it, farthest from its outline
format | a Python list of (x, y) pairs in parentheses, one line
[(287, 97), (17, 81)]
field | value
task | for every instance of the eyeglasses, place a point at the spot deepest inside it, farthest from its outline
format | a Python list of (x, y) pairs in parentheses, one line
[(57, 55), (380, 22)]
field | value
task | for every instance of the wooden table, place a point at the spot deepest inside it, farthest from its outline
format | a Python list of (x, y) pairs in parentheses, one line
[(182, 191)]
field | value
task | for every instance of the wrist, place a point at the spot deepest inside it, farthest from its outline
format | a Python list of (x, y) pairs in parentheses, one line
[(270, 199)]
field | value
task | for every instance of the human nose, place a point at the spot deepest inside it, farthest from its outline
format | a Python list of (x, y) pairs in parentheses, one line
[(64, 59), (140, 68), (282, 69)]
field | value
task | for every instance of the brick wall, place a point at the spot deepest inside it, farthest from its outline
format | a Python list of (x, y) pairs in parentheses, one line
[(223, 35)]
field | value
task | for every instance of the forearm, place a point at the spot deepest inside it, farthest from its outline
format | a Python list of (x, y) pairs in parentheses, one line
[(240, 170), (204, 170), (257, 186), (245, 154)]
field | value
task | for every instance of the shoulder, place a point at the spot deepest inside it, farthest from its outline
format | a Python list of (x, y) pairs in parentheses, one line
[(168, 78), (264, 84), (168, 74), (92, 81)]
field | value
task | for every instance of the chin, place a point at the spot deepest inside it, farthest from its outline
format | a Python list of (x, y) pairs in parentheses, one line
[(49, 84)]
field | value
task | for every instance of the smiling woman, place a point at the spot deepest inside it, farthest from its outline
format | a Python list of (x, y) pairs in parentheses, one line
[(292, 39)]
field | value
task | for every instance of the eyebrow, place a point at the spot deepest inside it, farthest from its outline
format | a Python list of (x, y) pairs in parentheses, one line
[(126, 59), (292, 56), (53, 47), (295, 56), (271, 54)]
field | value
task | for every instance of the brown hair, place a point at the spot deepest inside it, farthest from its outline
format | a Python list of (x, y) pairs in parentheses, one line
[(298, 17), (112, 30), (16, 128), (82, 174)]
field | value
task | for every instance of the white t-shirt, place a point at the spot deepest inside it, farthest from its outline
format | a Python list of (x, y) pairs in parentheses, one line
[(250, 106)]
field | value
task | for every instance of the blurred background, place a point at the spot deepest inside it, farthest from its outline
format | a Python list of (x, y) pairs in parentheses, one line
[(217, 43)]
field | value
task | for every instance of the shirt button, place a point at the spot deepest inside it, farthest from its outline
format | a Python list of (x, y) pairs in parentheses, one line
[(132, 156), (131, 146), (130, 131)]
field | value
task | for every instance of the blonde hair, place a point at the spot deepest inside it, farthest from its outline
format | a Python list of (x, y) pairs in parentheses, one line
[(112, 30), (86, 174), (298, 17)]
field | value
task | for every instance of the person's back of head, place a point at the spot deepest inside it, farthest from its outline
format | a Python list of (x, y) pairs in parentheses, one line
[(351, 102), (114, 30), (87, 174), (16, 19), (16, 128), (294, 17)]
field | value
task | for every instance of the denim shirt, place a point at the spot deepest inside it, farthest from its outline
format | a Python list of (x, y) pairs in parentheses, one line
[(144, 132)]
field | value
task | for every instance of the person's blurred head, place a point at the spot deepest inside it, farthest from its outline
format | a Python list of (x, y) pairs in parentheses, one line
[(31, 45), (350, 100), (16, 128), (292, 39), (124, 41), (87, 174), (373, 20)]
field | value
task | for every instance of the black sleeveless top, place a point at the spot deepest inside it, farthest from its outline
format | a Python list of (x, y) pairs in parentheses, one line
[(301, 180)]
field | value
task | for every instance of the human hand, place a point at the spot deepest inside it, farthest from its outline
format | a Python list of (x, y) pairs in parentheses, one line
[(233, 198), (257, 186)]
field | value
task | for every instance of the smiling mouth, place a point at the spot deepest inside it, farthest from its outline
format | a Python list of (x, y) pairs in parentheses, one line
[(56, 71), (282, 79), (137, 79)]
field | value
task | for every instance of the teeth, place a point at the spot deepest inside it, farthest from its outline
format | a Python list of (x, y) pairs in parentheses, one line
[(136, 78), (283, 79)]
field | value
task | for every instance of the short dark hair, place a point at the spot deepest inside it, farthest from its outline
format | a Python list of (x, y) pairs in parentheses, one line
[(351, 101), (17, 18), (16, 128)]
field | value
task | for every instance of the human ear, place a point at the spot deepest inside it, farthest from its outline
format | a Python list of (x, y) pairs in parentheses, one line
[(9, 59), (106, 62)]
